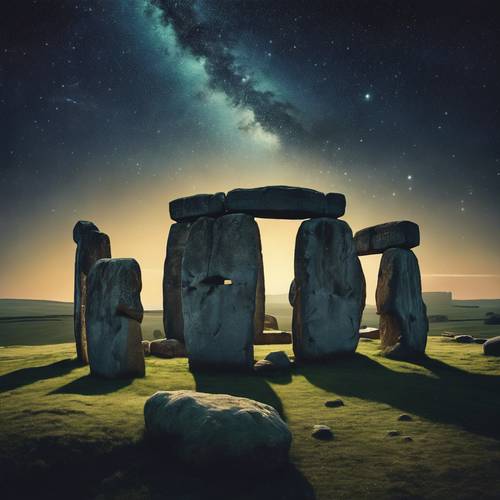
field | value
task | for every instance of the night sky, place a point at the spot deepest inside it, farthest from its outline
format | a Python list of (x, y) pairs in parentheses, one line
[(111, 109)]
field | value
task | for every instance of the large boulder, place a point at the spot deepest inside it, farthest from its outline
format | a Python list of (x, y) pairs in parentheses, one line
[(114, 315), (492, 347), (403, 315), (217, 429), (173, 321), (92, 245), (377, 239), (285, 202), (191, 208), (330, 290), (220, 271), (167, 348)]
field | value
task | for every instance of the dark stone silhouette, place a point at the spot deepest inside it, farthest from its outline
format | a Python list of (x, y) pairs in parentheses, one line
[(191, 208), (92, 245)]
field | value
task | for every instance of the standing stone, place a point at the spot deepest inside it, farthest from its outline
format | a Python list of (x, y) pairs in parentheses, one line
[(190, 208), (173, 322), (403, 314), (260, 298), (92, 245), (220, 271), (329, 290), (114, 315)]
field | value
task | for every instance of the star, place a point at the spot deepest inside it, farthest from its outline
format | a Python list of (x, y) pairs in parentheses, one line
[(368, 97)]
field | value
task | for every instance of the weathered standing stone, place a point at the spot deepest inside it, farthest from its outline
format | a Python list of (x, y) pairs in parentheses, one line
[(377, 239), (330, 290), (191, 208), (208, 429), (220, 271), (403, 314), (260, 297), (173, 321), (114, 315), (92, 245), (277, 202)]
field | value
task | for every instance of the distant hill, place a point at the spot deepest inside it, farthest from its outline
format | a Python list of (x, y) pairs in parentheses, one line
[(26, 307)]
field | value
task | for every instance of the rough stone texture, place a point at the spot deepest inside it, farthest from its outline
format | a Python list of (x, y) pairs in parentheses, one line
[(260, 296), (292, 293), (114, 315), (208, 429), (280, 359), (334, 205), (330, 295), (277, 202), (270, 337), (369, 333), (403, 315), (492, 347), (191, 208), (220, 271), (92, 245), (173, 321), (270, 322), (322, 432), (167, 348), (377, 239)]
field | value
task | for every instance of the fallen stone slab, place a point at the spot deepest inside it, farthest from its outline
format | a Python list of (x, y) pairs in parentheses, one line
[(167, 348), (114, 314), (92, 245), (285, 202), (331, 292), (279, 359), (207, 429), (369, 333), (377, 239), (190, 208), (492, 347)]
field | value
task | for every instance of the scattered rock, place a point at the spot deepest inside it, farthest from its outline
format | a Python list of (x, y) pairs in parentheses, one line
[(280, 359), (330, 290), (407, 439), (270, 322), (322, 432), (492, 347), (464, 339), (405, 418), (218, 428), (403, 314), (378, 239), (191, 208), (146, 345), (167, 348), (334, 403), (113, 315), (393, 433)]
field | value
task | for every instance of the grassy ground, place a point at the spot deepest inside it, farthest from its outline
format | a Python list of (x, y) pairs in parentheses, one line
[(64, 431)]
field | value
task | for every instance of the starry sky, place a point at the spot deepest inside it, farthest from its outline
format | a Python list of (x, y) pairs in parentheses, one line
[(111, 109)]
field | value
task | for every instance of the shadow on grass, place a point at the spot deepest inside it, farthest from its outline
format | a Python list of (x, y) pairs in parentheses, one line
[(27, 376), (89, 385), (142, 469), (450, 395), (246, 385)]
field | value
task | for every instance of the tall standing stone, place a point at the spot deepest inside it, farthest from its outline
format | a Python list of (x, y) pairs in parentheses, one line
[(173, 321), (329, 290), (260, 298), (114, 315), (220, 271), (403, 314), (92, 245)]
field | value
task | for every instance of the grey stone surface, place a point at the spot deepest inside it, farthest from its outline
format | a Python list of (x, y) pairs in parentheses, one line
[(173, 321), (334, 205), (260, 296), (280, 359), (330, 290), (219, 282), (322, 432), (92, 245), (167, 348), (213, 429), (292, 293), (464, 339), (270, 322), (492, 347), (377, 239), (277, 202), (191, 208), (114, 315), (403, 314)]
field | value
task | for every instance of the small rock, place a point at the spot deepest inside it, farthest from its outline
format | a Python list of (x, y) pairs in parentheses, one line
[(464, 339), (405, 418), (322, 432), (393, 433), (146, 345), (334, 403), (280, 359), (407, 439)]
